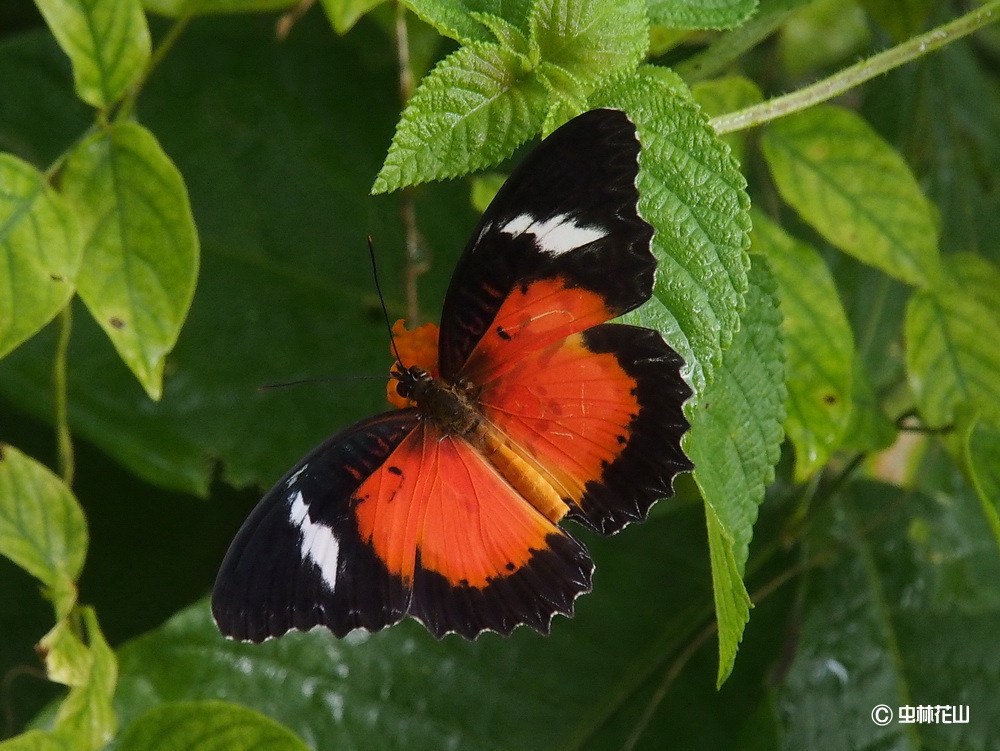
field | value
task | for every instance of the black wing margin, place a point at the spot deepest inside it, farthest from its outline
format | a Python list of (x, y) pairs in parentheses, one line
[(298, 560), (569, 210)]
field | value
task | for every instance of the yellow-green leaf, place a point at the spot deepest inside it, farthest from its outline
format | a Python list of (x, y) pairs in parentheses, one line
[(42, 528), (40, 252), (140, 248)]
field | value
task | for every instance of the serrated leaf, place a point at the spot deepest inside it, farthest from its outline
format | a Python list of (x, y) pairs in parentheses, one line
[(141, 247), (693, 194), (207, 726), (819, 345), (951, 352), (106, 40), (700, 14), (343, 14), (470, 112), (177, 8), (735, 441), (721, 96), (732, 602), (592, 40), (40, 252), (86, 714), (455, 19), (42, 528), (855, 190), (887, 618)]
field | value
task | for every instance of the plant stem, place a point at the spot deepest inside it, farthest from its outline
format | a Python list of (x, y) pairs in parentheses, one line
[(415, 263), (857, 74), (128, 103), (60, 368)]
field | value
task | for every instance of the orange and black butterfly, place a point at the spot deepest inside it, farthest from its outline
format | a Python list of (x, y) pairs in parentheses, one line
[(537, 410)]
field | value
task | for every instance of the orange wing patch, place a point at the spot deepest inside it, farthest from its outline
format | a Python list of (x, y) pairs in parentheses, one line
[(566, 408), (418, 347), (437, 501), (531, 318)]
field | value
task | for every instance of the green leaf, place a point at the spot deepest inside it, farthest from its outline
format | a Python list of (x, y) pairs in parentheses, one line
[(402, 689), (819, 345), (106, 40), (592, 40), (177, 8), (732, 602), (456, 19), (86, 715), (40, 252), (869, 428), (728, 94), (36, 740), (822, 34), (951, 353), (343, 14), (700, 14), (978, 449), (855, 190), (734, 442), (141, 248), (470, 112), (484, 189), (901, 18), (42, 528), (900, 608), (693, 194), (207, 726), (67, 659)]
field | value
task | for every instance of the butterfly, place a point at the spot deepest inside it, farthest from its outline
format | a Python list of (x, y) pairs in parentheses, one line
[(448, 510)]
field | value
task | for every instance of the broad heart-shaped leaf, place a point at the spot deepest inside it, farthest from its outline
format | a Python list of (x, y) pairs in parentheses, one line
[(951, 353), (141, 247), (42, 528), (402, 689), (86, 716), (699, 14), (693, 194), (819, 345), (207, 726), (176, 8), (734, 442), (40, 252), (470, 112), (900, 608), (849, 184), (592, 40), (106, 40), (455, 18)]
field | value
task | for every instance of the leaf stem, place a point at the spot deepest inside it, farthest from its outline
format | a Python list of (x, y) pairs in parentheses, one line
[(858, 73), (128, 103), (60, 372)]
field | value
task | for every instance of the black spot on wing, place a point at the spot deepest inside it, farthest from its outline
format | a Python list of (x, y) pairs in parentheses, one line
[(532, 595), (645, 470), (585, 172), (267, 586)]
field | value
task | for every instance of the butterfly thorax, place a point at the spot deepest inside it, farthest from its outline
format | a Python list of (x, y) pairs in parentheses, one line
[(452, 408)]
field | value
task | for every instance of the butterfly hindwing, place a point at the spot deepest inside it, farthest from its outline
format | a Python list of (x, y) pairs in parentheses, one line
[(299, 561)]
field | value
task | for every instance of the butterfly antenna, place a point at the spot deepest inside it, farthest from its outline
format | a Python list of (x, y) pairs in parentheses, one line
[(381, 299)]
